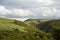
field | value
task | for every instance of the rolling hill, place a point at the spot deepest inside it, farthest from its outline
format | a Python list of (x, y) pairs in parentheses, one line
[(18, 30), (34, 22), (30, 29), (8, 24)]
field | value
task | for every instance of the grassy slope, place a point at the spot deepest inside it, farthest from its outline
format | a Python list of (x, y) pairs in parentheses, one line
[(7, 24), (34, 22), (51, 26), (10, 25), (46, 26), (27, 31)]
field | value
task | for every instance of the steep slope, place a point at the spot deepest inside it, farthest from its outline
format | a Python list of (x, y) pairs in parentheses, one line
[(47, 26)]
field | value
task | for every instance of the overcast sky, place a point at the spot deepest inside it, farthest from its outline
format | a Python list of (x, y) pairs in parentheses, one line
[(42, 9)]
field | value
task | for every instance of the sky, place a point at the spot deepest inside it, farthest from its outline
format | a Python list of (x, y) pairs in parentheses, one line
[(24, 9)]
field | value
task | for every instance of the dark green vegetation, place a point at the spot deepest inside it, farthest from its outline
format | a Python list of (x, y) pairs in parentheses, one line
[(31, 29)]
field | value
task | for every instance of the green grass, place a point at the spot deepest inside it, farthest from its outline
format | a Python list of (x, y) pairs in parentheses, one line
[(7, 24), (6, 20), (4, 26), (10, 25), (27, 30), (18, 30), (34, 22)]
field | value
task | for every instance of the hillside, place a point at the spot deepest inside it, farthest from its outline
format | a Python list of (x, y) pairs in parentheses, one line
[(8, 24), (47, 26), (18, 30), (34, 22), (52, 27), (31, 29)]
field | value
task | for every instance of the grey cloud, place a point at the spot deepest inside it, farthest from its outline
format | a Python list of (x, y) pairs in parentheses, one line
[(22, 3), (37, 8)]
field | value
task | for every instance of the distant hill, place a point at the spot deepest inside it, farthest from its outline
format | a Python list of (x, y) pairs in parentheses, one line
[(34, 22)]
